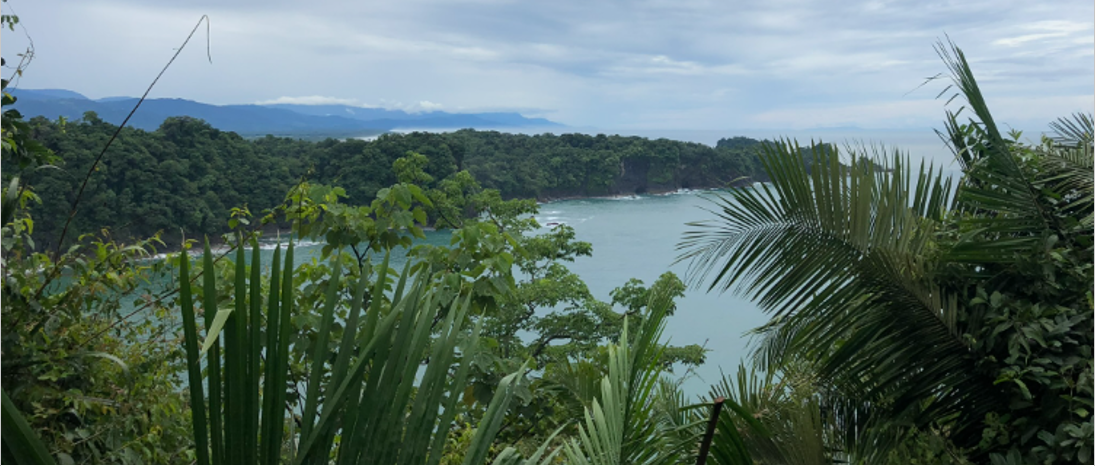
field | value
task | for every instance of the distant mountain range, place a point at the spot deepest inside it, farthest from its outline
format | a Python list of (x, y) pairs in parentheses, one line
[(278, 119)]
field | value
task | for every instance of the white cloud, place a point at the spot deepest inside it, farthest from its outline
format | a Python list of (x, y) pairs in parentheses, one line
[(1048, 30), (311, 100), (605, 64), (414, 107), (427, 106)]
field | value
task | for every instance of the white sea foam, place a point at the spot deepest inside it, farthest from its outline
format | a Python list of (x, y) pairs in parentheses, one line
[(682, 191), (271, 244), (552, 222)]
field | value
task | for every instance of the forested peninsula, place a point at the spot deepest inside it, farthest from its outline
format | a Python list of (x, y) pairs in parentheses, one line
[(187, 175)]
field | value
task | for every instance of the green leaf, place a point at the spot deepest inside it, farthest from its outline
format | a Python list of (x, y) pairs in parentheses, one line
[(21, 444), (212, 333), (193, 361), (492, 418)]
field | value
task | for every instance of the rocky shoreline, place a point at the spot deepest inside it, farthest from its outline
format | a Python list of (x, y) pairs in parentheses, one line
[(546, 199)]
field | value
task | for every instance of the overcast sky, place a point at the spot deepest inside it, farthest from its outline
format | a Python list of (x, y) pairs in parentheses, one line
[(671, 64)]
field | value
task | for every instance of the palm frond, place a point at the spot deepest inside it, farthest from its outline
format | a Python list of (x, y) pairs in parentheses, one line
[(681, 426), (1068, 171), (778, 420), (1074, 131), (995, 185), (621, 426), (731, 442), (841, 256), (376, 396), (510, 455)]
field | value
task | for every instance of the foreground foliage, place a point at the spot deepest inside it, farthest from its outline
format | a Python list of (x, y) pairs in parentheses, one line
[(916, 318), (363, 389), (958, 312)]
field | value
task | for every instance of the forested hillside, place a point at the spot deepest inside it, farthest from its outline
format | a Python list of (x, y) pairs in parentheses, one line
[(187, 174)]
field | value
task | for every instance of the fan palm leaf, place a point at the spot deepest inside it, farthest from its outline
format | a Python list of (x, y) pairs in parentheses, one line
[(378, 398)]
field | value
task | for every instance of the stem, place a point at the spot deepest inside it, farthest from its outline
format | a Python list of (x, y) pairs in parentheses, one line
[(99, 158), (705, 445)]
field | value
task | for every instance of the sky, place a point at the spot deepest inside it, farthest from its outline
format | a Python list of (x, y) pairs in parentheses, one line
[(664, 64)]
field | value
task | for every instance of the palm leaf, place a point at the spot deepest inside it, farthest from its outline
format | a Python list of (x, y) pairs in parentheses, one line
[(1015, 217), (1067, 169), (778, 420), (621, 426), (1074, 131), (376, 395), (193, 361), (212, 346), (841, 257), (680, 424)]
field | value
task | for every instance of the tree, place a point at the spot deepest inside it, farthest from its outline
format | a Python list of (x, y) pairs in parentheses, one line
[(90, 368), (960, 312)]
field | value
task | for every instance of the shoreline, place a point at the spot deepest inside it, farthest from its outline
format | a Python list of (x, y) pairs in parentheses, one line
[(652, 192), (218, 244)]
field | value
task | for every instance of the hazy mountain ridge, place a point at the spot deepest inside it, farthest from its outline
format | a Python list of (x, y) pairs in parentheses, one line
[(259, 119)]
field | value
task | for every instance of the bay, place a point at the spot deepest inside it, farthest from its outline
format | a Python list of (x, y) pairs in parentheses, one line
[(632, 237), (636, 237)]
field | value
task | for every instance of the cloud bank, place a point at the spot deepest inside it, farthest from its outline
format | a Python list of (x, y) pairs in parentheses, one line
[(672, 64)]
